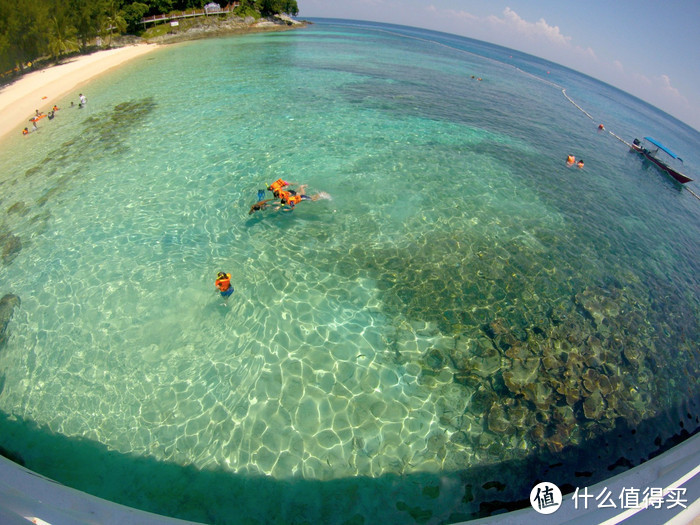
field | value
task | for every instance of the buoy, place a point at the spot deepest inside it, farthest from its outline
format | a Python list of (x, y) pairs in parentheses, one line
[(601, 127), (42, 98)]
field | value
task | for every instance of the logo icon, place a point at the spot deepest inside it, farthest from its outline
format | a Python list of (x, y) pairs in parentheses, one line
[(545, 497)]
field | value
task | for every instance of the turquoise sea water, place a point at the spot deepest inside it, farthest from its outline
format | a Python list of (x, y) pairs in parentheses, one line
[(462, 315)]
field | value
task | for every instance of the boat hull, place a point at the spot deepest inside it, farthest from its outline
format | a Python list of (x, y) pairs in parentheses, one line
[(678, 176), (675, 174)]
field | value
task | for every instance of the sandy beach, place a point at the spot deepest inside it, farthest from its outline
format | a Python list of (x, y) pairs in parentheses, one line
[(41, 89)]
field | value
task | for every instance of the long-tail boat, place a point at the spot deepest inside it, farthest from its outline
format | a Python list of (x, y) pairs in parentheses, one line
[(650, 150)]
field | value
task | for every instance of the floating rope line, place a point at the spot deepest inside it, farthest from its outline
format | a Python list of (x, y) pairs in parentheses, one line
[(692, 193), (563, 90), (613, 134), (591, 117), (544, 80)]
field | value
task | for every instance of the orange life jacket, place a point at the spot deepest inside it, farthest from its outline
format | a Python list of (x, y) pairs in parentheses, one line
[(277, 185), (25, 131), (293, 200), (284, 195), (224, 283)]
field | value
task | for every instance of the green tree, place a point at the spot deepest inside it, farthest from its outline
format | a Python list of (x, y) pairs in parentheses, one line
[(6, 62), (290, 7), (275, 7), (87, 17), (159, 7), (113, 20), (26, 31), (132, 14), (183, 5), (61, 36)]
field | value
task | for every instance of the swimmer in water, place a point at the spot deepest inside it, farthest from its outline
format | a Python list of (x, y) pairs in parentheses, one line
[(223, 284), (260, 205)]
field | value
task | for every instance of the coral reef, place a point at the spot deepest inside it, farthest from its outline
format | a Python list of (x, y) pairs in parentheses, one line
[(545, 361), (8, 303), (11, 246)]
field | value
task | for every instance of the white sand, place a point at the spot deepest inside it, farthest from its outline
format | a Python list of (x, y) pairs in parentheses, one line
[(42, 89)]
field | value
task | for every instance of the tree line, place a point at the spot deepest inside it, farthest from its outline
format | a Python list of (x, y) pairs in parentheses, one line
[(39, 29)]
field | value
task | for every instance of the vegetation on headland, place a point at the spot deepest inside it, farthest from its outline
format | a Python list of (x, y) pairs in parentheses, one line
[(48, 30)]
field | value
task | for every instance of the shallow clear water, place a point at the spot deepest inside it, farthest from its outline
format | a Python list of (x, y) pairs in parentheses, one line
[(462, 301)]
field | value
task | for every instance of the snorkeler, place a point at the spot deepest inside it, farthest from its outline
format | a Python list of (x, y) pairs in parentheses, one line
[(223, 284), (260, 205), (276, 187), (289, 199)]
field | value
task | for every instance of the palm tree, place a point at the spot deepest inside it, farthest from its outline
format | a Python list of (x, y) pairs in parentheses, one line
[(112, 21), (61, 36)]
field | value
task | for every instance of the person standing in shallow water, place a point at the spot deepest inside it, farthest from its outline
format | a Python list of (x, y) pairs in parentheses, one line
[(223, 284)]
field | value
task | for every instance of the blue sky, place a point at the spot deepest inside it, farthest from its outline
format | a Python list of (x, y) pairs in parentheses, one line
[(648, 48)]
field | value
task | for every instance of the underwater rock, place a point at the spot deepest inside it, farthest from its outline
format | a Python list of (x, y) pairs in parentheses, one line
[(436, 444), (497, 421), (19, 207), (574, 367), (632, 355), (11, 246), (571, 393), (475, 356), (560, 438), (518, 351), (496, 327), (482, 399), (434, 359), (595, 302), (537, 433), (628, 410), (471, 381), (592, 351), (540, 394), (460, 438), (591, 379), (551, 364), (501, 334), (594, 406), (7, 306), (604, 385), (521, 373), (517, 413)]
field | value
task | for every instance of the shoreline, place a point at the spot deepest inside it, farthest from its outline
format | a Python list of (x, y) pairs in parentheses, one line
[(41, 89)]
